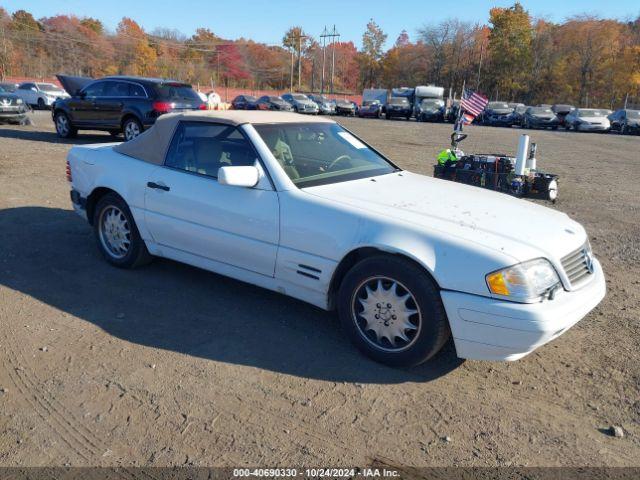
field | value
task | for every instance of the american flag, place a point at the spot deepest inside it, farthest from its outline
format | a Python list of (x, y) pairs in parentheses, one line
[(473, 102)]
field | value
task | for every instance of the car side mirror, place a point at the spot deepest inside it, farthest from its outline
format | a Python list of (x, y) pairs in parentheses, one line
[(80, 93), (240, 176), (33, 89)]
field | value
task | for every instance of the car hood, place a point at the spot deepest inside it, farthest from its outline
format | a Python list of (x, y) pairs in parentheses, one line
[(595, 119), (500, 111), (514, 227), (73, 84), (542, 116)]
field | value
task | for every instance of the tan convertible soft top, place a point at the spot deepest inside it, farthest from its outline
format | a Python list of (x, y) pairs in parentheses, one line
[(152, 145)]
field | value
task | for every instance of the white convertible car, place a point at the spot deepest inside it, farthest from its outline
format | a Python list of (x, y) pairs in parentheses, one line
[(302, 206)]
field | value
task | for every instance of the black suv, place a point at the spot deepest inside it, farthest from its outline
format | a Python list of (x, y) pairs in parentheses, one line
[(119, 104)]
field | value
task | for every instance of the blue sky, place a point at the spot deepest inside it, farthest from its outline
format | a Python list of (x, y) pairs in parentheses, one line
[(267, 20)]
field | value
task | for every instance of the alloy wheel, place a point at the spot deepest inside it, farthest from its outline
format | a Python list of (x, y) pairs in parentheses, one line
[(386, 314), (115, 232)]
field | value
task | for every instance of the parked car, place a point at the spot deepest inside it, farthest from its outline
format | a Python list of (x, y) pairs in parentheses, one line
[(9, 87), (244, 102), (40, 95), (517, 115), (497, 114), (588, 120), (301, 103), (270, 102), (119, 104), (371, 108), (451, 113), (431, 110), (561, 111), (625, 121), (12, 108), (540, 117), (288, 203), (346, 108), (325, 106), (399, 107)]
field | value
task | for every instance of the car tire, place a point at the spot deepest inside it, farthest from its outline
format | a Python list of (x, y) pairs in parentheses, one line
[(41, 104), (415, 301), (117, 234), (64, 127), (131, 128), (623, 129)]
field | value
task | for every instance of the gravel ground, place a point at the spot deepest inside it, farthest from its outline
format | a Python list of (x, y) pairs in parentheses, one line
[(170, 365)]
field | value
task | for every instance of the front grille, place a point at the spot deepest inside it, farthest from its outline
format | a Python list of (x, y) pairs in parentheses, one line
[(578, 265)]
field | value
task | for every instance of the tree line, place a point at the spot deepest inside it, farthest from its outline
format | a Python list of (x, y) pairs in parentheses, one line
[(584, 60)]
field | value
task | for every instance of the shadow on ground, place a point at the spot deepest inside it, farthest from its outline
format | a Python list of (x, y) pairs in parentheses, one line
[(26, 132), (50, 254)]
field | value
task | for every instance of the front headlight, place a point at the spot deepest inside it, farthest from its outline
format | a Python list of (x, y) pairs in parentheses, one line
[(525, 282), (18, 101)]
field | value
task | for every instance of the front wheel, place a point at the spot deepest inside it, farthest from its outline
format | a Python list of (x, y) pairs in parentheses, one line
[(131, 128), (118, 238), (392, 311), (623, 129), (41, 104), (64, 128)]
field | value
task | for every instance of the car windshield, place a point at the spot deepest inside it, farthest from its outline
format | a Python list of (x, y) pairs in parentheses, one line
[(320, 153), (275, 99), (521, 109), (633, 113), (539, 110), (592, 112), (431, 103), (175, 91), (398, 101), (299, 96), (496, 105), (48, 87), (9, 88)]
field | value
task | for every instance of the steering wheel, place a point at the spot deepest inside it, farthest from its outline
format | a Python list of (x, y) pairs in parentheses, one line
[(341, 158)]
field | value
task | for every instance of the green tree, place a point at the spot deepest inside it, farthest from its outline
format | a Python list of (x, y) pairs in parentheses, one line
[(510, 40)]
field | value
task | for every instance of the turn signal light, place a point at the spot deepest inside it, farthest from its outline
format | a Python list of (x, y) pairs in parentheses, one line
[(203, 106), (497, 284), (68, 172)]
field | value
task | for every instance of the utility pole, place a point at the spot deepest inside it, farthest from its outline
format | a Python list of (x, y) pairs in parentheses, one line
[(300, 38), (323, 36), (334, 35), (480, 66), (291, 80)]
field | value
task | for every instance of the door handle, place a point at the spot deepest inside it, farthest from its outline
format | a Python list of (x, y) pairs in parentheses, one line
[(158, 186)]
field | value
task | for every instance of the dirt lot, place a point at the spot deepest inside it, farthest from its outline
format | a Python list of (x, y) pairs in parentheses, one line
[(170, 365)]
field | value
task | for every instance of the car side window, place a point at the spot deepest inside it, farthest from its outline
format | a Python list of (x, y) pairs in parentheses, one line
[(116, 89), (26, 86), (136, 91), (95, 89), (204, 148)]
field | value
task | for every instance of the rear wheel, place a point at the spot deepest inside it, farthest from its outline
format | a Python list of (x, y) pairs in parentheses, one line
[(118, 238), (41, 104), (623, 129), (392, 311), (131, 128), (64, 128)]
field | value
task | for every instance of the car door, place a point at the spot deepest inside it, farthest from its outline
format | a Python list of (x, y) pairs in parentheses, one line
[(108, 107), (82, 107), (187, 210), (28, 93)]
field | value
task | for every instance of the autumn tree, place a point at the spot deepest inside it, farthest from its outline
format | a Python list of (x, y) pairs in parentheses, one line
[(136, 55), (373, 41), (509, 51)]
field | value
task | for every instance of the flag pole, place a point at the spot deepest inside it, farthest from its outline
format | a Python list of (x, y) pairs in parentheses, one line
[(458, 125)]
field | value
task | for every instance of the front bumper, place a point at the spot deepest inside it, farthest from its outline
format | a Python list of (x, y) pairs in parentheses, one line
[(593, 127), (490, 329)]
